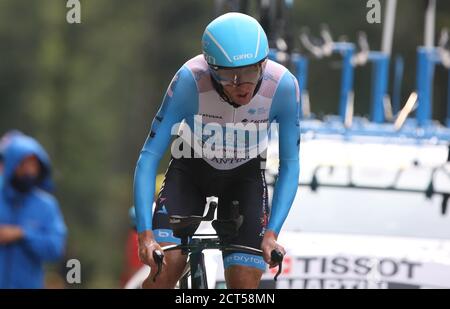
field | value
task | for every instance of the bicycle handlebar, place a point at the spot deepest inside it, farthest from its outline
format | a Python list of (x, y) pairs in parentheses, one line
[(277, 257), (184, 228), (158, 256)]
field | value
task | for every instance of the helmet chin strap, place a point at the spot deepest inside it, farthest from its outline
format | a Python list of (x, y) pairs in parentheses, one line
[(220, 90)]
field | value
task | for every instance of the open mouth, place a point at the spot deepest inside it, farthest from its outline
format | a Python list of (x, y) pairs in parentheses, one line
[(244, 95)]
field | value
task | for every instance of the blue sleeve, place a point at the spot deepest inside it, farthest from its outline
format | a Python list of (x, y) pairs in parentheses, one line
[(180, 101), (47, 243), (285, 111)]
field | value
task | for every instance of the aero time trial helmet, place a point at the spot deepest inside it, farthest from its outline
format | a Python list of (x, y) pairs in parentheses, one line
[(234, 40)]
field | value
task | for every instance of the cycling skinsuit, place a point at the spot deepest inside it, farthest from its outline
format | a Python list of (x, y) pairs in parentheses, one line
[(192, 102)]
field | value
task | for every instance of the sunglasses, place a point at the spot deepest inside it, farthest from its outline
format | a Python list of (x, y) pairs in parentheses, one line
[(237, 76)]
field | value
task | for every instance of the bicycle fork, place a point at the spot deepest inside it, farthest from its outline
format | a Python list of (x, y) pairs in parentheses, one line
[(198, 273)]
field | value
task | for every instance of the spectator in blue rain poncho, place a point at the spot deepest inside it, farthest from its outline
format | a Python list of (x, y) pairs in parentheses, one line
[(32, 229)]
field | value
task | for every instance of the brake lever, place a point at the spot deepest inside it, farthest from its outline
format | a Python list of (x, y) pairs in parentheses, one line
[(277, 256), (158, 257)]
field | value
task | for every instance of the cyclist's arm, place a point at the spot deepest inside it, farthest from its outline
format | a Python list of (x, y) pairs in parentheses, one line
[(286, 112), (180, 101)]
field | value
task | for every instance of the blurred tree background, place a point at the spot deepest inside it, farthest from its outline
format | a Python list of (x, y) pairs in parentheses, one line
[(89, 91)]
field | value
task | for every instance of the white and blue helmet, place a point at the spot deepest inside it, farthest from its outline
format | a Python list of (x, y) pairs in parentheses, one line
[(234, 40)]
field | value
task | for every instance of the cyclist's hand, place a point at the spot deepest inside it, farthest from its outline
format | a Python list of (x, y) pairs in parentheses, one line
[(268, 244), (147, 244)]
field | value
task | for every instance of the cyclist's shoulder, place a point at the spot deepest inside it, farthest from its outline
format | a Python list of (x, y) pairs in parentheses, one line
[(197, 66), (198, 69), (285, 86), (187, 77), (277, 72), (274, 76)]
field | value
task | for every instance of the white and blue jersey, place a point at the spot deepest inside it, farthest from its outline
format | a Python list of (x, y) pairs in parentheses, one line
[(192, 102)]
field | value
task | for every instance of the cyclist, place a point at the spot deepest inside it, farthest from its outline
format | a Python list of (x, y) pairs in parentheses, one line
[(232, 83)]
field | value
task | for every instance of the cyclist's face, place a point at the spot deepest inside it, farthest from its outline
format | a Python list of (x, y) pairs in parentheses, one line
[(241, 94), (239, 83)]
